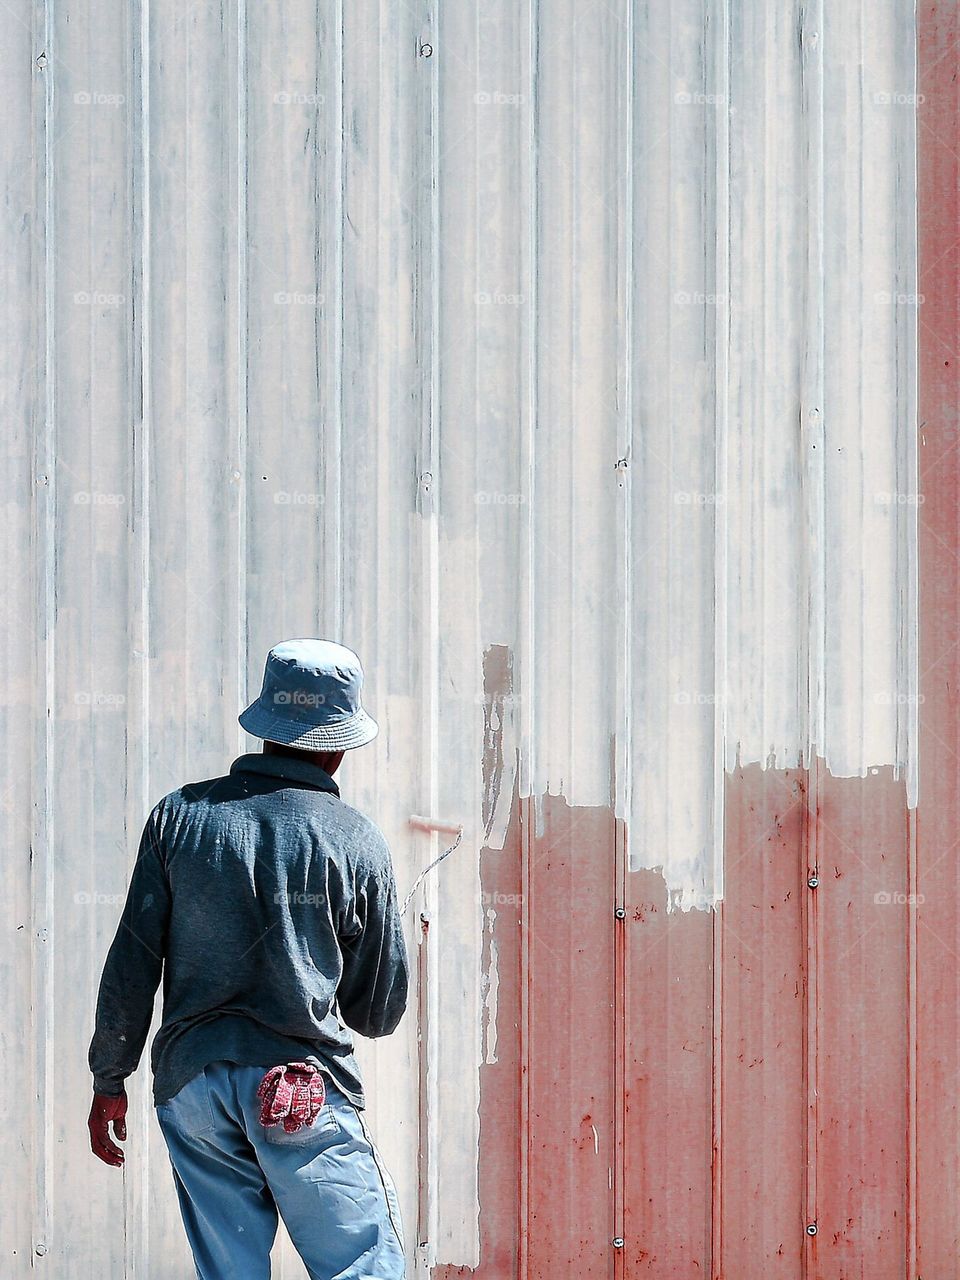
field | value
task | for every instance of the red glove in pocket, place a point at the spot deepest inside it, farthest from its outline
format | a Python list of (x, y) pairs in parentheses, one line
[(292, 1095)]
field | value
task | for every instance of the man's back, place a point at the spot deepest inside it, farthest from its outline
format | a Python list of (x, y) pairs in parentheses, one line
[(272, 903)]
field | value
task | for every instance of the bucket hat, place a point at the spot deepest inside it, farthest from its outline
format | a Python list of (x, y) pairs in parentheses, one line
[(311, 698)]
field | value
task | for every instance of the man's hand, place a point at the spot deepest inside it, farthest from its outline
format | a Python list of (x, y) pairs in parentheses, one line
[(104, 1110)]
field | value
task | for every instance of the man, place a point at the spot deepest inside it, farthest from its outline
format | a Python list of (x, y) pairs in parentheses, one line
[(269, 906)]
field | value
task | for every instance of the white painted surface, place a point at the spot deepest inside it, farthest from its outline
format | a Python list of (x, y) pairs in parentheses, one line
[(366, 335)]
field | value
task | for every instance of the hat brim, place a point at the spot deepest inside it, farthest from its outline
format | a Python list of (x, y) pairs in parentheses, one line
[(356, 731)]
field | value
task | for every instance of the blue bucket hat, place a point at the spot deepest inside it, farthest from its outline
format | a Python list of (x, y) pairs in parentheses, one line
[(311, 698)]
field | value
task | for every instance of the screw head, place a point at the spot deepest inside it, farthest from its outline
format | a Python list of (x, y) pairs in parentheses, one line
[(811, 1228), (618, 1242), (813, 882), (620, 913)]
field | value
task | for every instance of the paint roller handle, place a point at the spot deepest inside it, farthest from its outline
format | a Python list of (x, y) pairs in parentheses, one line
[(431, 824)]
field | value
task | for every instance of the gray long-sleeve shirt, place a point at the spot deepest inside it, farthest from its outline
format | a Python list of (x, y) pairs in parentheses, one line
[(268, 904)]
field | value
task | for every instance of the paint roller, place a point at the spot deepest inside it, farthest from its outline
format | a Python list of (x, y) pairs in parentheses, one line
[(432, 824)]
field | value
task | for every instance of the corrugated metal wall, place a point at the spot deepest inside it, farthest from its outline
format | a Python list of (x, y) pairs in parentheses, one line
[(563, 360)]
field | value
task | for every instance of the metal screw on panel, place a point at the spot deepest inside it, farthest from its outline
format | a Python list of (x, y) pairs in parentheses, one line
[(811, 1228), (618, 1242), (621, 913), (813, 882), (426, 51), (40, 1250)]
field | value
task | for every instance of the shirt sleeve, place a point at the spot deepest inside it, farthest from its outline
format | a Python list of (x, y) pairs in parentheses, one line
[(372, 994), (132, 971)]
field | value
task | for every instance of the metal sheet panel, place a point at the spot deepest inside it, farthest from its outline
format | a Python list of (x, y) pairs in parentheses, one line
[(934, 1064), (25, 458)]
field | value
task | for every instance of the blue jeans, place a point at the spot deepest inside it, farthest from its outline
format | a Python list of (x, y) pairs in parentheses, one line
[(234, 1177)]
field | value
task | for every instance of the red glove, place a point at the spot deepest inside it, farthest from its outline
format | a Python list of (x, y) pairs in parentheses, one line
[(104, 1110), (293, 1094)]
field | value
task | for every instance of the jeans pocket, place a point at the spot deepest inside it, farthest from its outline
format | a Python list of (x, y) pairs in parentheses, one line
[(326, 1125), (190, 1110)]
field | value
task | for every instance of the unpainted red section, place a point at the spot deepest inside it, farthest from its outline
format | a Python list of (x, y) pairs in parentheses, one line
[(760, 1085), (568, 1057), (814, 1160), (761, 1027), (668, 1083), (862, 923), (547, 1137), (937, 871)]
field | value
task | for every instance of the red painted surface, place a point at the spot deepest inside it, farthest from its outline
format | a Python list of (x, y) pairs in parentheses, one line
[(763, 1020), (547, 1133), (938, 818), (815, 1026), (569, 1055), (862, 1027), (765, 1046), (668, 1083)]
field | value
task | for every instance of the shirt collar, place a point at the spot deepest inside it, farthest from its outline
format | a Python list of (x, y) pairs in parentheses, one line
[(288, 767)]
